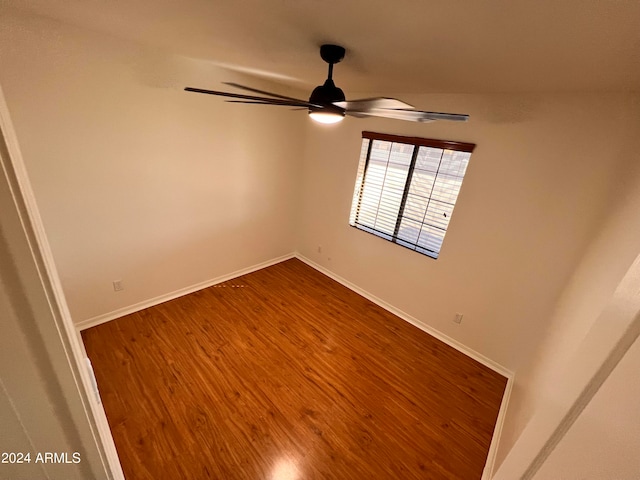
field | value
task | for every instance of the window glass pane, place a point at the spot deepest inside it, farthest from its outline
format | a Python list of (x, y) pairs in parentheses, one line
[(429, 159), (409, 230), (380, 152), (359, 177), (446, 189), (454, 163), (438, 214), (393, 185), (415, 207), (373, 183), (430, 238), (401, 154), (422, 183)]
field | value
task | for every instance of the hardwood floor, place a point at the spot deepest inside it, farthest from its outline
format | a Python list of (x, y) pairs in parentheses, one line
[(284, 374)]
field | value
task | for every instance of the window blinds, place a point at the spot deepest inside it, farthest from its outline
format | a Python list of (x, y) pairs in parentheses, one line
[(406, 189)]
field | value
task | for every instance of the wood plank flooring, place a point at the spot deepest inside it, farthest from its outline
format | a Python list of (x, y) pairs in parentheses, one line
[(284, 374)]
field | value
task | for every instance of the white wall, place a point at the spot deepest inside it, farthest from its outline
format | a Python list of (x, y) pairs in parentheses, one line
[(604, 442), (610, 253), (578, 379), (137, 180), (536, 190)]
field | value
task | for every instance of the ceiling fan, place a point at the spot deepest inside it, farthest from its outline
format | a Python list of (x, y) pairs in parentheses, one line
[(327, 103)]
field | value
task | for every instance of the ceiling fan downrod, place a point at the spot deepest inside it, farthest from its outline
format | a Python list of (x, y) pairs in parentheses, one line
[(328, 93)]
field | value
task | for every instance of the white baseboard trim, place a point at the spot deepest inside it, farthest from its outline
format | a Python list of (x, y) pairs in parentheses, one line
[(497, 431), (408, 318), (121, 312), (94, 321)]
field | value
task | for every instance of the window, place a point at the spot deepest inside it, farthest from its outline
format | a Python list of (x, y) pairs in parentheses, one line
[(406, 189)]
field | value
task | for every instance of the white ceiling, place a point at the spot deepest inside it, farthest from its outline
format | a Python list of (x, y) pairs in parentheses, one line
[(412, 46)]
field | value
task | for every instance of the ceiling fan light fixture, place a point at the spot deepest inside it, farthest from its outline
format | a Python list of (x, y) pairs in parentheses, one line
[(326, 117)]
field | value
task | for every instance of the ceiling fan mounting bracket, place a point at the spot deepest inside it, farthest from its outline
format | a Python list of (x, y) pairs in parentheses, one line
[(332, 53)]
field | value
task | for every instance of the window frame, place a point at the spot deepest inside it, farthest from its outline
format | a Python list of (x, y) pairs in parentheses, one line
[(416, 143)]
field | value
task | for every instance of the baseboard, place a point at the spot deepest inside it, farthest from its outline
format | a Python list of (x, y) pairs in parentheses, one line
[(408, 318), (121, 312), (92, 322)]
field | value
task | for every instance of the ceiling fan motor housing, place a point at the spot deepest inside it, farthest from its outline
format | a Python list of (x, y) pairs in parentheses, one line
[(327, 94)]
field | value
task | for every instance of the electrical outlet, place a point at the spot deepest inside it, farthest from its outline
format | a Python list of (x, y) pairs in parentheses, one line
[(458, 318), (117, 286), (319, 248)]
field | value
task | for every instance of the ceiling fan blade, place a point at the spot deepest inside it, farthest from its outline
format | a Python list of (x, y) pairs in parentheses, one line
[(408, 115), (264, 103), (263, 92), (255, 102), (452, 117), (365, 104), (394, 114), (271, 101)]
